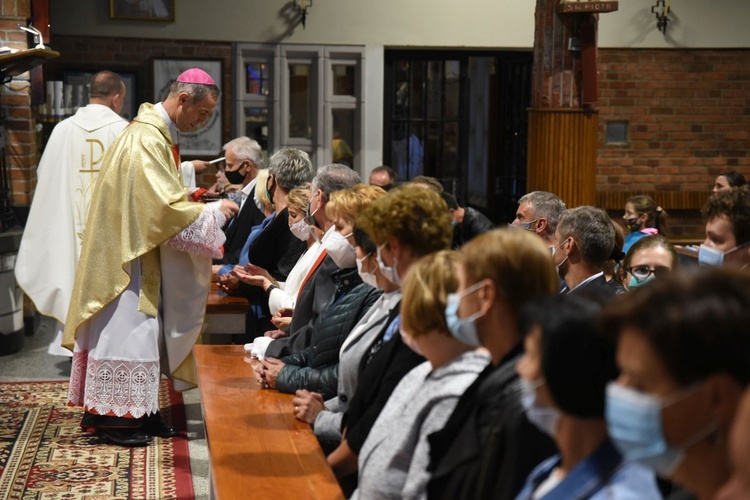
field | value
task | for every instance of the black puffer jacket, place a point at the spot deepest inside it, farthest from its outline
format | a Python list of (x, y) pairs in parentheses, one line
[(316, 368)]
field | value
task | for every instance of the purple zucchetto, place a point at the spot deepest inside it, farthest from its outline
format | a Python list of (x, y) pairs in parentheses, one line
[(195, 75)]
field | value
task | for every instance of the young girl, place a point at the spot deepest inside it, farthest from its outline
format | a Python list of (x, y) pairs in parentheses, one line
[(642, 218)]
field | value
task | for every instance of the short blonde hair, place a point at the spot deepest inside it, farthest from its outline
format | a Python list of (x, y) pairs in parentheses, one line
[(260, 190), (518, 262), (345, 204), (299, 197), (425, 292), (417, 217)]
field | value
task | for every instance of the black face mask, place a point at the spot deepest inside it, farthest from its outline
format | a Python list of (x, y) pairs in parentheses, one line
[(234, 176), (268, 191), (309, 217)]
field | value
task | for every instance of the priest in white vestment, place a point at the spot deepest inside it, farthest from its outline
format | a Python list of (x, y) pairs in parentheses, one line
[(52, 238), (143, 278)]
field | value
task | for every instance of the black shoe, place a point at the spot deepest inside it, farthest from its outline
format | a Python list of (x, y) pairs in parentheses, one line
[(90, 422), (123, 437), (153, 425)]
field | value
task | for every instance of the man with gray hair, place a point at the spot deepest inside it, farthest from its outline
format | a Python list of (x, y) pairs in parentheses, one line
[(539, 211), (584, 240), (318, 287), (244, 158)]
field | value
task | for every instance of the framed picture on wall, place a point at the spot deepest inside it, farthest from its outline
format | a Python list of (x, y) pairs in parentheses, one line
[(142, 10), (206, 140), (76, 85)]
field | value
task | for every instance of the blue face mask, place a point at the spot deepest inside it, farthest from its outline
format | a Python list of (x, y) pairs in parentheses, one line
[(709, 256), (545, 418), (635, 282), (635, 426), (463, 329)]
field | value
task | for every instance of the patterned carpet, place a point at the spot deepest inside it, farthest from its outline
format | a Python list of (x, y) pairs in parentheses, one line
[(44, 454)]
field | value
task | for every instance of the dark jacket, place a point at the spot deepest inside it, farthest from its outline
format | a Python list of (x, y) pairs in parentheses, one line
[(312, 301), (488, 447), (380, 372), (599, 289), (276, 249), (316, 368), (239, 228), (474, 224)]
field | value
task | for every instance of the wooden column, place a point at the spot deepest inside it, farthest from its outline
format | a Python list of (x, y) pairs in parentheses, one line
[(562, 154), (562, 144)]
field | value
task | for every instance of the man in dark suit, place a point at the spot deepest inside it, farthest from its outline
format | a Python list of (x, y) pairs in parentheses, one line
[(584, 240), (243, 159)]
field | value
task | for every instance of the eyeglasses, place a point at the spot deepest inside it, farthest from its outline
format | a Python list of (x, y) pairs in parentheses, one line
[(644, 272)]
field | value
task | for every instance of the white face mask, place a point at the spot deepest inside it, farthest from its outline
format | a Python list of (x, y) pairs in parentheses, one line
[(389, 272), (257, 201), (367, 277), (300, 229), (545, 418), (341, 251)]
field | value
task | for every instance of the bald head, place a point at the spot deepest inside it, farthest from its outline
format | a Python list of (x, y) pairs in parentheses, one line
[(108, 89)]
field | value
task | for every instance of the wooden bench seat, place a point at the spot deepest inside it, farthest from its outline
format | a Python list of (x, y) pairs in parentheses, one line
[(257, 448), (225, 316)]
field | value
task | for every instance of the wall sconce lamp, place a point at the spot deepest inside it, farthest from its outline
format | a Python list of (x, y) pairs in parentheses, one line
[(661, 11), (302, 6)]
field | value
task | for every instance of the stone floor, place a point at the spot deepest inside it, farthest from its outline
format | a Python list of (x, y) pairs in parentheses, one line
[(33, 363)]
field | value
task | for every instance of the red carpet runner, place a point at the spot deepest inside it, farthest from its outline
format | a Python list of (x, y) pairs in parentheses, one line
[(45, 454)]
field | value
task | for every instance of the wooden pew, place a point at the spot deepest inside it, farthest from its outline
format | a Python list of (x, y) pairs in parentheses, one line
[(257, 448), (225, 316)]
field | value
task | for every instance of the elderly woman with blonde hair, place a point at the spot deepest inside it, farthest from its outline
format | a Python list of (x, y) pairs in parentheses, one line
[(393, 461)]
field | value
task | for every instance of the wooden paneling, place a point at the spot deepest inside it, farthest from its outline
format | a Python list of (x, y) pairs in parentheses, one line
[(256, 446), (668, 200), (562, 154)]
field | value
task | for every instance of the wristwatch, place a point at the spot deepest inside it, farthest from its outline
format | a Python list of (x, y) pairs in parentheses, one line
[(270, 287)]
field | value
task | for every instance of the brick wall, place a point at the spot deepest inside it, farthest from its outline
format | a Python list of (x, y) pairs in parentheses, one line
[(688, 118), (21, 151)]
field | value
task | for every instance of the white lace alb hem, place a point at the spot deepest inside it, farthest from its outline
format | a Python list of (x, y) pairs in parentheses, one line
[(115, 387)]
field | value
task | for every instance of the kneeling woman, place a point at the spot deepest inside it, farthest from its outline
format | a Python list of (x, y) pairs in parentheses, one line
[(393, 460), (564, 373)]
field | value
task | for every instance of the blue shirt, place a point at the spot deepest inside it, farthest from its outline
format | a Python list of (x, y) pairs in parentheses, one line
[(600, 476), (254, 232), (631, 238)]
